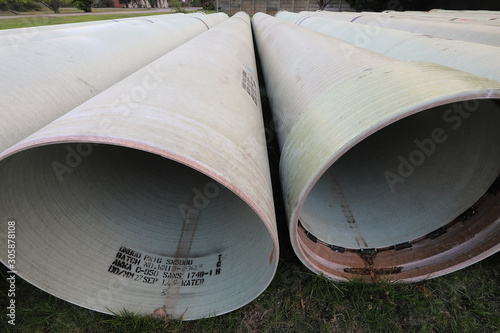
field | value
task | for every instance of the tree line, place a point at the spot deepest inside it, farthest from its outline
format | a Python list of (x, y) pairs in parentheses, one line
[(16, 6)]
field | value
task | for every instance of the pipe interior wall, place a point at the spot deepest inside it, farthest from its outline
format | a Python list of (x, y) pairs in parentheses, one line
[(382, 211)]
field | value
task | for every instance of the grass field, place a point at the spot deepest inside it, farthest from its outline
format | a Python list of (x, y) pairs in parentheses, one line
[(296, 300)]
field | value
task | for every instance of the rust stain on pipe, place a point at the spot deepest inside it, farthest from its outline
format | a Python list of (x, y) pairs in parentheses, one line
[(346, 210), (189, 227)]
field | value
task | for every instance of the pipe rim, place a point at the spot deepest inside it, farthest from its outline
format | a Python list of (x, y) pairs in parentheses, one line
[(195, 166)]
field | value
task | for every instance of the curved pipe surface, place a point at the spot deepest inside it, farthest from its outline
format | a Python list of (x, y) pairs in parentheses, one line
[(78, 27), (44, 79), (479, 59), (478, 17), (475, 33), (373, 168), (163, 205)]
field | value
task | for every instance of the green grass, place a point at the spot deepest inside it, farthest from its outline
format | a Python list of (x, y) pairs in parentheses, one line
[(298, 301)]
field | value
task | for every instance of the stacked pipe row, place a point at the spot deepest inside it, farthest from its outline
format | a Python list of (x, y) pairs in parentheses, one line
[(48, 73), (388, 167), (476, 58), (139, 180), (133, 156), (477, 33)]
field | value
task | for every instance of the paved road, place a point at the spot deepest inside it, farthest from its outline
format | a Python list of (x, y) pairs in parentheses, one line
[(114, 11)]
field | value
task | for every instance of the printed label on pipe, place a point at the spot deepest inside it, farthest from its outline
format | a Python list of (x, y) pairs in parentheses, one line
[(164, 271), (248, 83)]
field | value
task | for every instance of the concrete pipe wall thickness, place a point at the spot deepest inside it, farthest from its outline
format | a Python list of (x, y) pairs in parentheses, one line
[(60, 69), (388, 167), (479, 59), (156, 204), (475, 33)]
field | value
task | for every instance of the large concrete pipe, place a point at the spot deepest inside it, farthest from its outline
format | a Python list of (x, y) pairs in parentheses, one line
[(453, 17), (388, 168), (155, 195), (34, 31), (42, 80), (479, 59), (471, 17), (23, 35), (483, 34)]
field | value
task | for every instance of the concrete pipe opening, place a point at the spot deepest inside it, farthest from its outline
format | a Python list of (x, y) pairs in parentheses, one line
[(421, 182), (136, 230)]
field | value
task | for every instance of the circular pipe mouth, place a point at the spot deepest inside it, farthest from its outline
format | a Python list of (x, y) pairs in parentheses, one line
[(112, 228), (423, 180)]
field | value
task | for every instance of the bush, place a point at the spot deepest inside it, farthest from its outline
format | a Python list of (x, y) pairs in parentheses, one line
[(85, 5), (209, 5), (20, 6), (104, 4), (369, 5), (176, 5)]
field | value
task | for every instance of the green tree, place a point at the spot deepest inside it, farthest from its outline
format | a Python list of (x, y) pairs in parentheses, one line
[(368, 5), (85, 5), (16, 6), (322, 3), (176, 5), (137, 3), (208, 5), (104, 4), (53, 4)]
